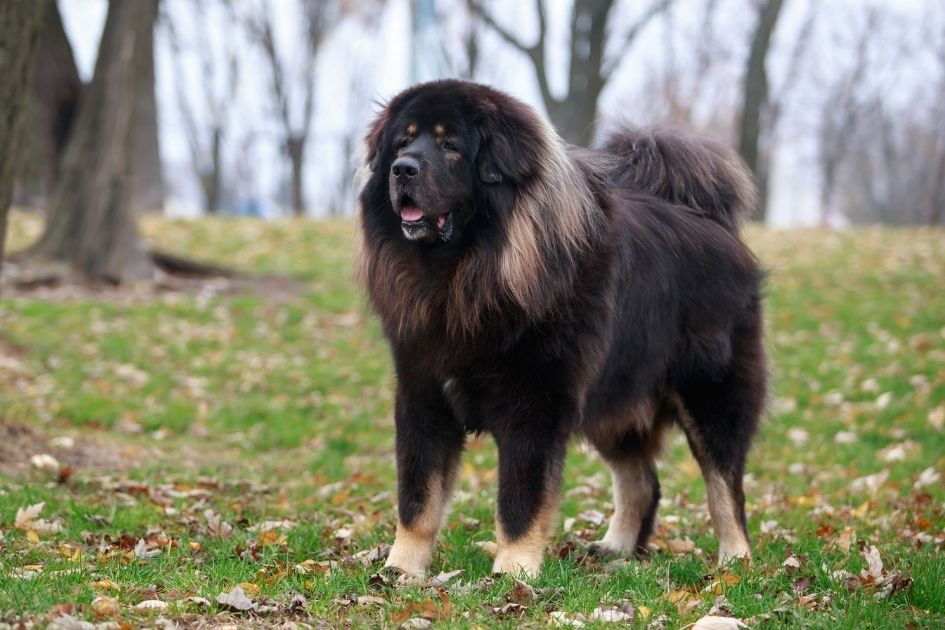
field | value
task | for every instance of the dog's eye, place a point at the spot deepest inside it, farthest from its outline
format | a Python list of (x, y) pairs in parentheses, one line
[(403, 143), (450, 145)]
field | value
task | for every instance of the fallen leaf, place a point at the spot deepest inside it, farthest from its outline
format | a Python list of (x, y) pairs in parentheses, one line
[(45, 462), (508, 610), (800, 585), (367, 600), (104, 606), (613, 614), (236, 600), (927, 477), (443, 578), (521, 593), (574, 620), (216, 525), (874, 563), (369, 556), (680, 545), (594, 517), (26, 516), (713, 622)]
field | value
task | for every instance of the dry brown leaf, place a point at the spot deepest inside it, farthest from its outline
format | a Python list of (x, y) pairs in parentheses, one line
[(680, 545), (521, 593), (104, 606)]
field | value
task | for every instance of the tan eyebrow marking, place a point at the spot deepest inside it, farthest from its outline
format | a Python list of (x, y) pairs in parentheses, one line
[(412, 128), (439, 129)]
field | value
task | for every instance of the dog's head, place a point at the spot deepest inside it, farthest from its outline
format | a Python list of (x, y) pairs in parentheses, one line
[(445, 155)]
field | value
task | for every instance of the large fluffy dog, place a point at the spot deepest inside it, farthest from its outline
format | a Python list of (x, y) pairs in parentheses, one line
[(533, 291)]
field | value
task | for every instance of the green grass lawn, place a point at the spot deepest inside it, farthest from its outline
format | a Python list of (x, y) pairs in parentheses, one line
[(204, 440)]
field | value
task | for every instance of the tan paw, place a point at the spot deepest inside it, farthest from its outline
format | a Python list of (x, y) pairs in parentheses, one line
[(516, 563), (604, 548), (739, 553), (409, 559)]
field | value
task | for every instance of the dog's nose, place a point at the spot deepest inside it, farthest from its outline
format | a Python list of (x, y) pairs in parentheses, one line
[(405, 168)]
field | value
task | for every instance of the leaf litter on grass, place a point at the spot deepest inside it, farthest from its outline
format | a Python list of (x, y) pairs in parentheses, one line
[(203, 390)]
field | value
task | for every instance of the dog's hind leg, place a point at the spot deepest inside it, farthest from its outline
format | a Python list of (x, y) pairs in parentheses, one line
[(631, 457), (429, 444), (720, 418)]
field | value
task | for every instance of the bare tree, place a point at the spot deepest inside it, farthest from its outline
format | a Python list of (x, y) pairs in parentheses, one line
[(935, 206), (147, 190), (755, 94), (318, 17), (206, 137), (53, 101), (20, 30), (841, 110), (589, 68), (92, 224), (685, 90)]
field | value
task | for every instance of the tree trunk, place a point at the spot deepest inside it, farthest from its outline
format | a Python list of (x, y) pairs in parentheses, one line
[(54, 98), (92, 224), (20, 29), (296, 150), (576, 117), (148, 188), (936, 195), (213, 181), (756, 92)]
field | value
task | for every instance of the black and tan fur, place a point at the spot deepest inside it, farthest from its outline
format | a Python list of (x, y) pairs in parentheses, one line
[(548, 291)]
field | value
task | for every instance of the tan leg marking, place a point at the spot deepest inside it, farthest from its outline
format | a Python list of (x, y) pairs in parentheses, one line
[(412, 550), (732, 540), (525, 554), (633, 493)]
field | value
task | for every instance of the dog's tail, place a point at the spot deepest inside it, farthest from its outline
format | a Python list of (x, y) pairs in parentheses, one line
[(700, 174)]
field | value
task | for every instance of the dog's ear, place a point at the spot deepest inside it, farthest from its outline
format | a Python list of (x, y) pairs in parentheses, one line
[(375, 137), (510, 144)]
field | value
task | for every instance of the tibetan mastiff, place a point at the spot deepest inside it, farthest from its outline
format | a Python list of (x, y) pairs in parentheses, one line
[(533, 290)]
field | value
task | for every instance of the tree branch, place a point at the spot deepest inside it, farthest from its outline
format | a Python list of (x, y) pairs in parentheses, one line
[(535, 52), (655, 9), (499, 29)]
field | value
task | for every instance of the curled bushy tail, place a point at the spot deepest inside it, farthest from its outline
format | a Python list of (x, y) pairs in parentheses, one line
[(700, 174)]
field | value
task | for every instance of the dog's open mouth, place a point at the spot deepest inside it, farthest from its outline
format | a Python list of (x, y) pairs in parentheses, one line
[(417, 226)]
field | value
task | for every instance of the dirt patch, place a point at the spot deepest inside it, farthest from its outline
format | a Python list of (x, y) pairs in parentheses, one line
[(55, 282), (19, 443)]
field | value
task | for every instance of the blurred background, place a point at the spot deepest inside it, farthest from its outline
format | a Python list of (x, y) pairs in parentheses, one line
[(258, 108), (186, 363)]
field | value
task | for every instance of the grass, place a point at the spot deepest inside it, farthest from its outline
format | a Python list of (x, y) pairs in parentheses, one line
[(196, 418)]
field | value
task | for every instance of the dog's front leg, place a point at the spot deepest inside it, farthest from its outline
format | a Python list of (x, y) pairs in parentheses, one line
[(530, 466), (429, 444)]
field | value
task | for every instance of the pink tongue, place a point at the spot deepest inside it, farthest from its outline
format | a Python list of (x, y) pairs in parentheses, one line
[(411, 214)]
